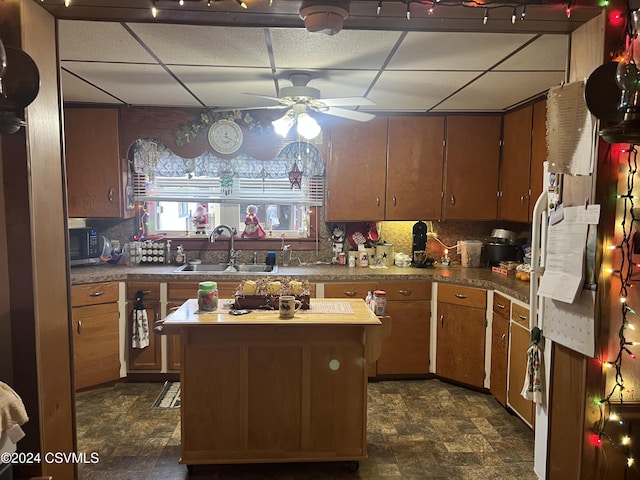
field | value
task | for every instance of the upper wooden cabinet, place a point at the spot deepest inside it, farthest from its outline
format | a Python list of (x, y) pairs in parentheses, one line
[(356, 170), (523, 155), (515, 166), (539, 152), (414, 168), (96, 174), (472, 158)]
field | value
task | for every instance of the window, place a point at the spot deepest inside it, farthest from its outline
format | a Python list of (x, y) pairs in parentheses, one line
[(175, 190)]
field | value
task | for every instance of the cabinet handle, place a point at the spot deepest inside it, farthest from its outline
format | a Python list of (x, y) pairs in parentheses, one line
[(350, 294), (110, 195), (146, 292), (406, 293), (96, 294), (499, 305), (79, 326), (460, 295), (377, 201), (502, 339), (453, 199), (441, 321), (156, 317), (522, 199), (394, 200), (522, 317)]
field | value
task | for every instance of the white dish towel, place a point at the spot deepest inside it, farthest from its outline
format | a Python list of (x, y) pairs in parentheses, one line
[(140, 327)]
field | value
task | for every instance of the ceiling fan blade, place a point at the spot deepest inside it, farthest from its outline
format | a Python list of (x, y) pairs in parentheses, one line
[(273, 99), (228, 109), (349, 114), (346, 101)]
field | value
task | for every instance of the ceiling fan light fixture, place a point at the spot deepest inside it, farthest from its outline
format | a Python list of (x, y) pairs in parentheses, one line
[(307, 126), (327, 19), (283, 124)]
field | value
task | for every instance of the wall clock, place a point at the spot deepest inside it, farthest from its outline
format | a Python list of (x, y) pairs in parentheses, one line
[(225, 136)]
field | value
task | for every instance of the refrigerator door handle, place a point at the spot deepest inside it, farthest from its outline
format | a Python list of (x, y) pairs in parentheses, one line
[(538, 253)]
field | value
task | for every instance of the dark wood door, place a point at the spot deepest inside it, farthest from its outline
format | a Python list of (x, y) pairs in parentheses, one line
[(520, 340), (472, 157), (150, 357), (406, 349), (515, 165), (499, 358), (414, 168), (460, 343), (356, 170), (539, 152)]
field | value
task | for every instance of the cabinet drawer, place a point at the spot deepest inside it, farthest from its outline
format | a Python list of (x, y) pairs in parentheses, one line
[(520, 315), (348, 290), (501, 305), (151, 290), (406, 290), (94, 293), (459, 295)]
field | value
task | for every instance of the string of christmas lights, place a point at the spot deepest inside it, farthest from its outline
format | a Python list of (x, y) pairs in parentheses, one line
[(624, 273)]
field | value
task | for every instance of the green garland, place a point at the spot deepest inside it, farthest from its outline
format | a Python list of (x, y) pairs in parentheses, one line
[(197, 129)]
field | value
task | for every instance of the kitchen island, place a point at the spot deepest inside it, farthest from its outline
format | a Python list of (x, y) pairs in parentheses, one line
[(257, 389)]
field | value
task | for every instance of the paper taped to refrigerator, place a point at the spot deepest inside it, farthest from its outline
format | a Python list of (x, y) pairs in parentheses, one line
[(572, 325), (564, 263)]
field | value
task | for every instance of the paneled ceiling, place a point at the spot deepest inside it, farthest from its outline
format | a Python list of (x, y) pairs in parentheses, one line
[(188, 57)]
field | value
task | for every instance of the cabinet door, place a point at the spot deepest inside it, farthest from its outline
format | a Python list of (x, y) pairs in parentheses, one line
[(356, 170), (499, 358), (539, 152), (515, 166), (460, 343), (406, 349), (519, 341), (96, 175), (414, 168), (96, 357), (150, 357), (471, 168), (348, 290)]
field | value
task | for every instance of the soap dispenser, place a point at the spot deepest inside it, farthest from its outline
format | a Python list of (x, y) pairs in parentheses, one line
[(180, 257)]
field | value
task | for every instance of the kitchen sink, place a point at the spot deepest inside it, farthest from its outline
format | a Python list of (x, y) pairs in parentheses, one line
[(224, 268)]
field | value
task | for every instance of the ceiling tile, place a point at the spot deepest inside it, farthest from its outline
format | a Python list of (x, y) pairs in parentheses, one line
[(134, 84), (497, 91), (100, 42), (454, 51), (228, 87), (77, 90), (205, 45), (549, 52), (352, 49), (415, 91)]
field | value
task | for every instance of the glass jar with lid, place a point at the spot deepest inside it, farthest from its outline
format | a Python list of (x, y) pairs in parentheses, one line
[(207, 296)]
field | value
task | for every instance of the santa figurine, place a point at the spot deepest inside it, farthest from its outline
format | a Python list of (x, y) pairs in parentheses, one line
[(200, 219), (252, 227)]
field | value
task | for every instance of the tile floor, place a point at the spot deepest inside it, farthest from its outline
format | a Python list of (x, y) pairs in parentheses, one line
[(420, 429)]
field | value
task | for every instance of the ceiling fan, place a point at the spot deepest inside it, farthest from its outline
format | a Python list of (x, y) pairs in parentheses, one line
[(299, 100)]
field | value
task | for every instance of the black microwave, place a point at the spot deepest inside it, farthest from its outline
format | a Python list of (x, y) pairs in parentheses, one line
[(84, 246)]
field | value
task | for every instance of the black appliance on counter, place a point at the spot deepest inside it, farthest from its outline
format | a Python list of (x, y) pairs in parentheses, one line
[(85, 246), (419, 256), (502, 247)]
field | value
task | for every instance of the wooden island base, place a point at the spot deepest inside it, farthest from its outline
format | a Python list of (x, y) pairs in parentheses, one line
[(256, 389)]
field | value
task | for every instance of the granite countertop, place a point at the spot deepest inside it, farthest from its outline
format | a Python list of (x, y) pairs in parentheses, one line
[(481, 277)]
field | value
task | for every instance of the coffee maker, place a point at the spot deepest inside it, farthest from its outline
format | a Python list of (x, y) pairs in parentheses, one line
[(419, 256)]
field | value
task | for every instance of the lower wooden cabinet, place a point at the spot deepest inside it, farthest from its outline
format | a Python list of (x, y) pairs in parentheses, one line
[(500, 348), (519, 342), (150, 357), (405, 350), (96, 339), (461, 328)]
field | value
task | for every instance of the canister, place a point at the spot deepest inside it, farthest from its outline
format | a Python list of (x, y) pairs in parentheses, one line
[(207, 296), (384, 254), (380, 300)]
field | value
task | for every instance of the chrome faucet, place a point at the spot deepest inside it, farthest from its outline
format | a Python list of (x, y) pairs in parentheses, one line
[(233, 253)]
